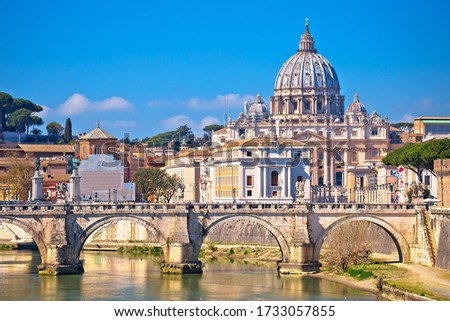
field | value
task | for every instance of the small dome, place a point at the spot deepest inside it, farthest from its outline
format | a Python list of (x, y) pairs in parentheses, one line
[(356, 106), (257, 109)]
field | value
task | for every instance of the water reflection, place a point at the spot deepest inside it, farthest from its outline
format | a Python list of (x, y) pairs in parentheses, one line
[(114, 276)]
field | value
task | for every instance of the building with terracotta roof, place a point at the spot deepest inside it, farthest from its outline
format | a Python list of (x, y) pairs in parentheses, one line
[(104, 170), (96, 142)]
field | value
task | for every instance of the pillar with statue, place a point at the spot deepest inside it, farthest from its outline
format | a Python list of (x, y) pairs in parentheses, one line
[(36, 182)]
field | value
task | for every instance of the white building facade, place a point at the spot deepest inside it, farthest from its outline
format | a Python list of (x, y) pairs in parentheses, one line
[(257, 171)]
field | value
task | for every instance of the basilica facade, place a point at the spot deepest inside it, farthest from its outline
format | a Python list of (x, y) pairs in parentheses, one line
[(346, 143)]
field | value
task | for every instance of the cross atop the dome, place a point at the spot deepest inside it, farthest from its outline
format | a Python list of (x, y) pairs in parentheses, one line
[(307, 22)]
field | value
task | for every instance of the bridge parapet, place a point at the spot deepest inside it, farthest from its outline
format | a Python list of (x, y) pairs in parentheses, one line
[(8, 209), (366, 207), (440, 210), (114, 208)]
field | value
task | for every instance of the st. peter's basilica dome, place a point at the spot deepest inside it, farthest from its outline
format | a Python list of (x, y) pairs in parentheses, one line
[(307, 68)]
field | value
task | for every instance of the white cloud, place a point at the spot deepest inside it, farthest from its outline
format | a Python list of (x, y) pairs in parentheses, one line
[(75, 104), (208, 120), (111, 104), (78, 103), (407, 118), (197, 127), (220, 102), (174, 122)]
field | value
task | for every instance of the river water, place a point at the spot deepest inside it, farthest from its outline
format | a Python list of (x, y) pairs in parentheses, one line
[(114, 276)]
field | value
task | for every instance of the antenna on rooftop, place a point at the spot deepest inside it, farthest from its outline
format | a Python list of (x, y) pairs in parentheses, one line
[(225, 116)]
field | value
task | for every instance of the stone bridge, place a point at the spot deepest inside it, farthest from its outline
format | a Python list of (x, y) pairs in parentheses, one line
[(61, 230)]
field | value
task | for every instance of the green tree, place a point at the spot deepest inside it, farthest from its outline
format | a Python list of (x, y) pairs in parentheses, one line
[(21, 120), (36, 131), (208, 132), (68, 131), (6, 101), (153, 181), (210, 128), (419, 157), (174, 137), (170, 186), (9, 105), (148, 181), (19, 103), (54, 130)]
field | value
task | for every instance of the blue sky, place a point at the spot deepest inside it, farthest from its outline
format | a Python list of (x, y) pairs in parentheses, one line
[(145, 67)]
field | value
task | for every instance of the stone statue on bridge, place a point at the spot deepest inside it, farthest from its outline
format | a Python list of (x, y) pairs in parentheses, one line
[(37, 164), (75, 163), (300, 189), (61, 191), (414, 188)]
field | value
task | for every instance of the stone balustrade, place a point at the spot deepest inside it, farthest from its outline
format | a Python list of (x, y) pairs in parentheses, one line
[(199, 207)]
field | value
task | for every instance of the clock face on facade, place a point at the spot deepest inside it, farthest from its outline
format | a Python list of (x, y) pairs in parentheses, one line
[(241, 121)]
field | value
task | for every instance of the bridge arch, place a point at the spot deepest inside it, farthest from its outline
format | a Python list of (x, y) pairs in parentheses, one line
[(281, 240), (400, 242), (28, 229), (89, 230)]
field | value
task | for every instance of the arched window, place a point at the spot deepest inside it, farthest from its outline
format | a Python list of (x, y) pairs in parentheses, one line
[(354, 157), (274, 178), (84, 151)]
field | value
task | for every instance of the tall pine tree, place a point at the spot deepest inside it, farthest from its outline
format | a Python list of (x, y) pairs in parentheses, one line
[(68, 131)]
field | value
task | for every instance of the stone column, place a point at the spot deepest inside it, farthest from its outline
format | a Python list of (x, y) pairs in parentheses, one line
[(326, 179), (36, 187), (240, 184), (289, 183), (75, 188), (344, 183), (264, 191), (332, 168), (315, 167), (351, 187), (261, 182)]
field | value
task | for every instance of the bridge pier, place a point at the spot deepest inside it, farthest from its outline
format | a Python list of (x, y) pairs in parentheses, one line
[(301, 260), (180, 260), (57, 262)]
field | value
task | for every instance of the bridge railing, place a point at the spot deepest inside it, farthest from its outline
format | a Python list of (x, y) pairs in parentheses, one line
[(440, 210), (356, 206), (197, 207), (106, 207), (7, 208)]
